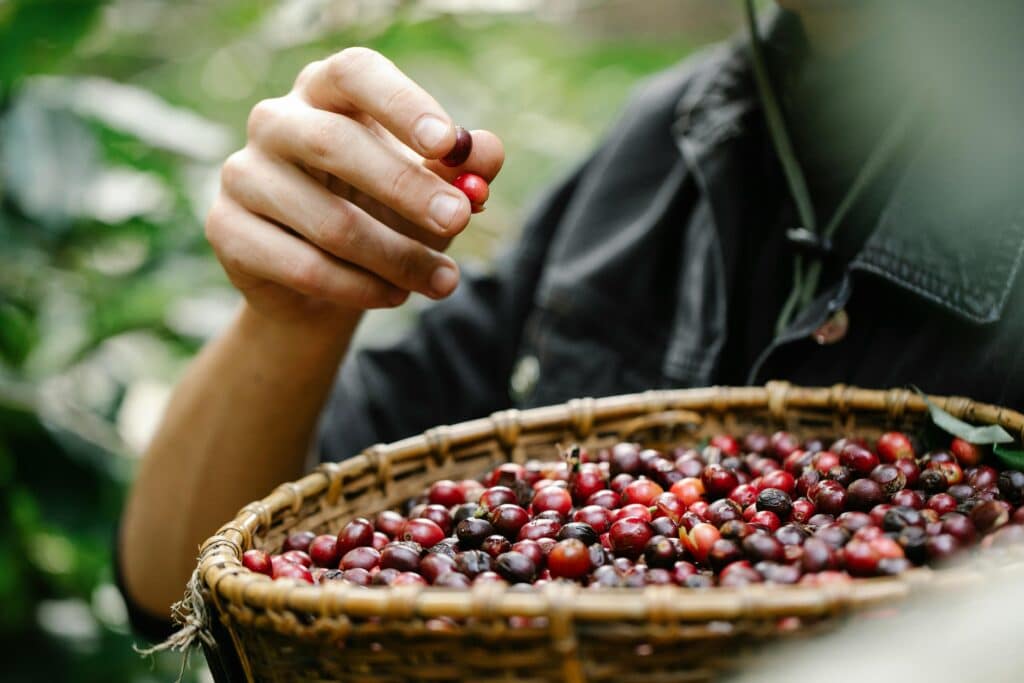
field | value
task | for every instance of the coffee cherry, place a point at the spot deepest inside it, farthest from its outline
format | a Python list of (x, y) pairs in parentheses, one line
[(291, 570), (718, 481), (434, 565), (688, 490), (909, 469), (893, 446), (861, 558), (624, 458), (355, 534), (453, 579), (472, 532), (779, 479), (537, 529), (324, 551), (515, 567), (854, 521), (983, 476), (864, 494), (298, 540), (908, 498), (824, 461), (698, 540), (933, 481), (760, 546), (298, 557), (722, 553), (744, 495), (629, 536), (966, 453), (472, 563), (497, 495), (554, 499), (783, 443), (941, 547), (422, 531), (767, 520), (508, 519), (835, 536), (1011, 486), (803, 510), (632, 510), (495, 545), (597, 517), (606, 498), (360, 558), (724, 510), (460, 150), (402, 557), (942, 503), (569, 559), (586, 482), (642, 492), (578, 530), (817, 556), (775, 501), (990, 515), (661, 552), (446, 492), (860, 460), (828, 497), (257, 561)]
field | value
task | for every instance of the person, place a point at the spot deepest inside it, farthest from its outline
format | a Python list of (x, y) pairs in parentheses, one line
[(833, 198)]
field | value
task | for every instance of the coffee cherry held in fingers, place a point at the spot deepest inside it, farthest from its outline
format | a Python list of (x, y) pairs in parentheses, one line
[(460, 150), (474, 187)]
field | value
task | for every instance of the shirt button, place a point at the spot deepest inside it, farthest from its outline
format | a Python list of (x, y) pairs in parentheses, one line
[(524, 378), (832, 330)]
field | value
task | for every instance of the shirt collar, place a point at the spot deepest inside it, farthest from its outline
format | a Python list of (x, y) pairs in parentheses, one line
[(952, 230)]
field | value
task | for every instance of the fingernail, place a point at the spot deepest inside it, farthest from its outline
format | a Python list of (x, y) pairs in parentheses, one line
[(430, 132), (443, 280), (443, 208)]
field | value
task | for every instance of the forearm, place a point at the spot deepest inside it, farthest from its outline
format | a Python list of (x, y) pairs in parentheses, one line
[(239, 423)]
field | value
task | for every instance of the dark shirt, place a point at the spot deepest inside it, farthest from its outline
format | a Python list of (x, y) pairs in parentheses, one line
[(662, 260)]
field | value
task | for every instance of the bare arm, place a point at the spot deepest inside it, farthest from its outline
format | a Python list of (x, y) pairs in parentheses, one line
[(348, 162), (239, 424)]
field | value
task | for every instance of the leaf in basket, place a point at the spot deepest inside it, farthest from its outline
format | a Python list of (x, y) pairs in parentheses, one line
[(983, 435), (1011, 457)]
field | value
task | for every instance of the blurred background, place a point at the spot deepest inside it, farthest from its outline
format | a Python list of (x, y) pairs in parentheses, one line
[(114, 118)]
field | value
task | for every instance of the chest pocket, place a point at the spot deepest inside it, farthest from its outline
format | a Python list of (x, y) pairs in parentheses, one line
[(569, 355)]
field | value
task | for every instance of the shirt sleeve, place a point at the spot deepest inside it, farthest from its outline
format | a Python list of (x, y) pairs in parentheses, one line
[(455, 363)]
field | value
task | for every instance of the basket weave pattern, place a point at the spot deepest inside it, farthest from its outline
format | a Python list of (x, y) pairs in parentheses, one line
[(287, 631)]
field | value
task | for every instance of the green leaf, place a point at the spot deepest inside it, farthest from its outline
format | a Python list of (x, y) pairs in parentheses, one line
[(981, 436), (1010, 457)]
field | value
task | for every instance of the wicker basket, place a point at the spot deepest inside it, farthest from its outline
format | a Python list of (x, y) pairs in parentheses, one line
[(255, 629)]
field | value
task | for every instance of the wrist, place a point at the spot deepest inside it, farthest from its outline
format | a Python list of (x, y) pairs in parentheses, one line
[(329, 333)]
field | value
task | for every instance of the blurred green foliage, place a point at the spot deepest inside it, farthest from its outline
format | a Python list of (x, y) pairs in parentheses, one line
[(113, 118)]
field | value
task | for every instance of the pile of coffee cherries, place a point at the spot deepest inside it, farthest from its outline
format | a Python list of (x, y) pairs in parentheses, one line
[(733, 512)]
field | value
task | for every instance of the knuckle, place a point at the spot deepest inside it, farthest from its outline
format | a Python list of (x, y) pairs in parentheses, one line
[(216, 221), (370, 293), (403, 184), (307, 74), (412, 265), (351, 61), (307, 276), (323, 138), (262, 117), (336, 232), (234, 171)]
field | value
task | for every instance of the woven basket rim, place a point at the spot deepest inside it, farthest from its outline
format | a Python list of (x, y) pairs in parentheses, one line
[(227, 582)]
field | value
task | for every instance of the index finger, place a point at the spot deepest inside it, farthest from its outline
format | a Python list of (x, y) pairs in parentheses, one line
[(362, 80)]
